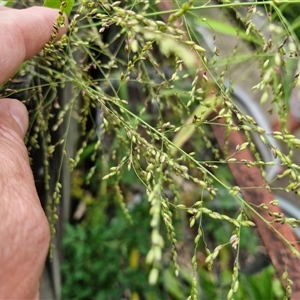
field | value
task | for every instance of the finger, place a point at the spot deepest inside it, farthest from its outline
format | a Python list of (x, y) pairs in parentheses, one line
[(23, 33), (4, 8), (24, 227), (14, 114)]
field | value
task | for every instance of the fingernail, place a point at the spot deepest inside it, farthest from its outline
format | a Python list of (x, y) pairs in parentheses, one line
[(19, 112)]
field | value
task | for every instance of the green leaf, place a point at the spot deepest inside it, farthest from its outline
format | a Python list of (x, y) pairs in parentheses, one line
[(7, 3), (57, 4), (172, 284), (188, 130)]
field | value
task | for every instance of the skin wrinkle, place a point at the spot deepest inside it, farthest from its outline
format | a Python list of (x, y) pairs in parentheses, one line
[(29, 231), (9, 183), (27, 272), (14, 252), (14, 165), (32, 232), (8, 135)]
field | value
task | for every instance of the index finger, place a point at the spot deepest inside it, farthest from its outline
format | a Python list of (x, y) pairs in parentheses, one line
[(23, 33)]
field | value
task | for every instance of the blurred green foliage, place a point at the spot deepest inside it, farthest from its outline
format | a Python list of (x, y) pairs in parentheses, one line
[(105, 254), (290, 12), (107, 262)]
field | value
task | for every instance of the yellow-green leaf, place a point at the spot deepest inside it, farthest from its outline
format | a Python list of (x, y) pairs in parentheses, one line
[(66, 5)]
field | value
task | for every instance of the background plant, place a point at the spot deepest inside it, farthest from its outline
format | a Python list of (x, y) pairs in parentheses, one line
[(118, 109)]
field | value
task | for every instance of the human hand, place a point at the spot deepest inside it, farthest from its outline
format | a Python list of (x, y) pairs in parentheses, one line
[(24, 229)]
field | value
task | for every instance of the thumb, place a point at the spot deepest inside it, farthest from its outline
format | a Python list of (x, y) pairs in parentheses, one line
[(13, 118), (24, 229)]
